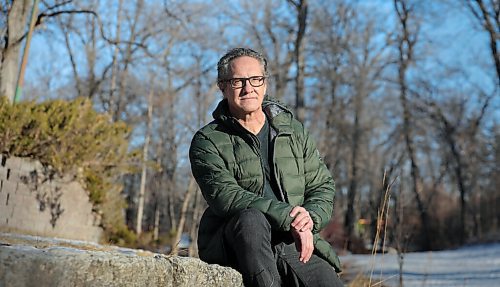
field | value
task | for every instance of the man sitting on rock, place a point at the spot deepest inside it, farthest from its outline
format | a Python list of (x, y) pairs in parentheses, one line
[(268, 191)]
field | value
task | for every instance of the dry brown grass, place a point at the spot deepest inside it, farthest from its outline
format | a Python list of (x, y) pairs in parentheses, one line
[(358, 279), (362, 281)]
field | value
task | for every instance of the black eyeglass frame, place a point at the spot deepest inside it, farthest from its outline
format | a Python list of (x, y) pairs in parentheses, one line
[(232, 82)]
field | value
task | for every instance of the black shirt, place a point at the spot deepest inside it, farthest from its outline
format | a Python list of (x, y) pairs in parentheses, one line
[(270, 187)]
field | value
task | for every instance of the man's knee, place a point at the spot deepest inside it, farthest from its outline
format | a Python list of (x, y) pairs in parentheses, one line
[(251, 219), (246, 224)]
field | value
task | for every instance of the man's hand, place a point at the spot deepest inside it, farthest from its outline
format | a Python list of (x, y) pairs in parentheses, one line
[(302, 220), (303, 243)]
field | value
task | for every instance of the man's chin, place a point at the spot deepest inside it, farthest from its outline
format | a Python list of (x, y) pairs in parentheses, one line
[(251, 108)]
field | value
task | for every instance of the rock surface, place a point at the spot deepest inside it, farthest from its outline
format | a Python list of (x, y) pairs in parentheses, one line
[(33, 203), (35, 261)]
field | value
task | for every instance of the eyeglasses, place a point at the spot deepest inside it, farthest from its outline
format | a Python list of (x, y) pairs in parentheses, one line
[(237, 83)]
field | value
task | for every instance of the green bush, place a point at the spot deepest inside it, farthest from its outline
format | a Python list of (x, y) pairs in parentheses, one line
[(73, 139)]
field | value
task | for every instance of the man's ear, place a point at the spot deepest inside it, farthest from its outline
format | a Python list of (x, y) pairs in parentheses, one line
[(221, 86)]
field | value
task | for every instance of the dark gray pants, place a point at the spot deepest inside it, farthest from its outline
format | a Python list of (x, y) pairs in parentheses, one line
[(268, 259)]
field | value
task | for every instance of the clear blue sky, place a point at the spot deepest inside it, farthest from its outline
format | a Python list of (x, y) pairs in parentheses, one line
[(456, 40)]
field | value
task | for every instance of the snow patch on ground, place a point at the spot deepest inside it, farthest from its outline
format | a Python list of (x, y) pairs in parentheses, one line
[(477, 265)]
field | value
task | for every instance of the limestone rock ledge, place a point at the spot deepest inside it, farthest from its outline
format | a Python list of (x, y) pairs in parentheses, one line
[(70, 265)]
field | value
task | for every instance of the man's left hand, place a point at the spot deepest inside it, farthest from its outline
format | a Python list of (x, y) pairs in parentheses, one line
[(302, 220)]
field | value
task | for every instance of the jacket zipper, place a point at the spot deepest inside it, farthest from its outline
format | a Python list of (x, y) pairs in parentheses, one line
[(275, 167)]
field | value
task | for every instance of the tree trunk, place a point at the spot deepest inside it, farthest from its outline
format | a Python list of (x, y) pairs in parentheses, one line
[(171, 208), (142, 189), (10, 52), (198, 205), (459, 174), (170, 161), (405, 47), (490, 21), (156, 226), (114, 67), (74, 69), (180, 228), (91, 51), (278, 65), (127, 59), (350, 216), (300, 59)]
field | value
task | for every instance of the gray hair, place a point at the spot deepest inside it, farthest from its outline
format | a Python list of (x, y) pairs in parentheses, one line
[(224, 69)]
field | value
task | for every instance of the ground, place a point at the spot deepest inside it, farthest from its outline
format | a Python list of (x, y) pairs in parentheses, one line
[(476, 265)]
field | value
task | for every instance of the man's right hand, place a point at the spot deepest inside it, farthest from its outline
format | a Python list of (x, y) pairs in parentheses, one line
[(303, 243)]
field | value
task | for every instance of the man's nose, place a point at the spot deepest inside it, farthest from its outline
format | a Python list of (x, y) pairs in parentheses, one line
[(247, 86)]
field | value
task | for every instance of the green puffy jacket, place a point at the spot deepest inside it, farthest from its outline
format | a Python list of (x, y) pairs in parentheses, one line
[(226, 164)]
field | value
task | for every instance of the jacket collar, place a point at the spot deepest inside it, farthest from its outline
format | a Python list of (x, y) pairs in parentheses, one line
[(279, 116)]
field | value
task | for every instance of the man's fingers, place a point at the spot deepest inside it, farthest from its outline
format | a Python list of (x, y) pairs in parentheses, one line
[(301, 223), (304, 244), (296, 210), (301, 218), (307, 246), (304, 252), (308, 226), (308, 252)]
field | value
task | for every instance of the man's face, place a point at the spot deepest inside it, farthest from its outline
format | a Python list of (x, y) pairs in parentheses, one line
[(247, 99)]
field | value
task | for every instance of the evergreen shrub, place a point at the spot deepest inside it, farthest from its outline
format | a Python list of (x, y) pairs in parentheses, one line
[(73, 139)]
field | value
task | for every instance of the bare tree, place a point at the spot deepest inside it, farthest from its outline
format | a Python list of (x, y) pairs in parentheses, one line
[(452, 130), (331, 30), (114, 62), (368, 64), (87, 29), (142, 188), (406, 43), (272, 32), (13, 19), (347, 69), (487, 12), (198, 202), (301, 6), (192, 188), (14, 15), (126, 62)]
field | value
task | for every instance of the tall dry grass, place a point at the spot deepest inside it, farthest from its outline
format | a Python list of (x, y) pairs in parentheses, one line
[(382, 216)]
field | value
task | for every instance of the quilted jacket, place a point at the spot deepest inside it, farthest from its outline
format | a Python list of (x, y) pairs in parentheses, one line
[(226, 165)]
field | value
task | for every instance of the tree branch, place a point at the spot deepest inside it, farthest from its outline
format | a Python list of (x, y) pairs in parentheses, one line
[(44, 15)]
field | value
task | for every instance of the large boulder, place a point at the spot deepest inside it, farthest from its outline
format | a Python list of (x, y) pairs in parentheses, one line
[(33, 203), (33, 261)]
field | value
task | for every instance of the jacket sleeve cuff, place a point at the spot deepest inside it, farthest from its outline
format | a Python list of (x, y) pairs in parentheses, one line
[(316, 221), (287, 223)]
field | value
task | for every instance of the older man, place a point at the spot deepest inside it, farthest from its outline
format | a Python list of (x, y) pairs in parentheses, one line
[(267, 189)]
